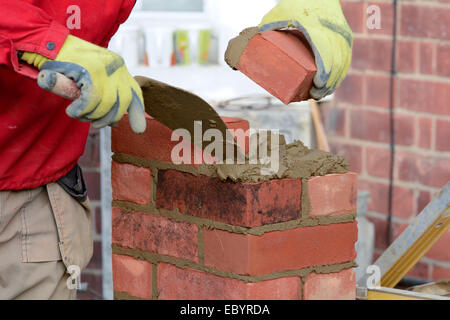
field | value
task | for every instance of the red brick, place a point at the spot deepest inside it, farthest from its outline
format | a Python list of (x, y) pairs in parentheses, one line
[(332, 195), (404, 129), (387, 18), (281, 63), (424, 96), (131, 183), (372, 54), (402, 198), (441, 249), (154, 234), (247, 204), (155, 143), (443, 135), (353, 154), (378, 161), (425, 127), (186, 284), (278, 289), (407, 56), (331, 286), (333, 118), (421, 270), (351, 89), (378, 90), (406, 166), (226, 251), (355, 15), (369, 125), (403, 202), (431, 171), (380, 232), (423, 21), (440, 273), (378, 195), (92, 180), (375, 126), (132, 276), (427, 57), (239, 127), (443, 60), (280, 250)]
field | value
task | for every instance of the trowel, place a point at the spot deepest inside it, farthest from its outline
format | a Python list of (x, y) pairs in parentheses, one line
[(173, 107)]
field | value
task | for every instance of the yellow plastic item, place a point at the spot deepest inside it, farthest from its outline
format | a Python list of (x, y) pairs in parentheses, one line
[(417, 250)]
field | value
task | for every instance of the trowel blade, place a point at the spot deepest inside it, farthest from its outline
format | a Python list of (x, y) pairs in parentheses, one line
[(179, 109)]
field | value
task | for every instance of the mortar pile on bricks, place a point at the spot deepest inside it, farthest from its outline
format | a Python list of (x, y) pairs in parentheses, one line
[(180, 232)]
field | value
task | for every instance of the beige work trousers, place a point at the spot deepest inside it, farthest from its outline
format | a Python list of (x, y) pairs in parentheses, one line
[(45, 238)]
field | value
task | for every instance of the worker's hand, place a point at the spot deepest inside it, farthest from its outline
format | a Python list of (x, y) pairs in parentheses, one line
[(107, 88), (324, 26)]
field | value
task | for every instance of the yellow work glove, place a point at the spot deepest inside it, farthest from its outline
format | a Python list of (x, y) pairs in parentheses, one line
[(324, 26), (107, 88)]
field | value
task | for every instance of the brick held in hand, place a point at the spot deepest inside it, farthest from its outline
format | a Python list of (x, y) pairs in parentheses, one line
[(282, 63)]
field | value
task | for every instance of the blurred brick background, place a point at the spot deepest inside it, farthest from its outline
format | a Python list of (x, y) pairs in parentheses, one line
[(90, 162), (358, 122)]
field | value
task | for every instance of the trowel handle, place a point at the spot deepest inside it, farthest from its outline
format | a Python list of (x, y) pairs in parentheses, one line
[(58, 84)]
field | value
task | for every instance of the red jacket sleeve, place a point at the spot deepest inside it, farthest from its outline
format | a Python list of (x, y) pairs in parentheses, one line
[(24, 27), (125, 11)]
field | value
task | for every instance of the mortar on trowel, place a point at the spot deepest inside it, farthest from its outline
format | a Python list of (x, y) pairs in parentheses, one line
[(281, 62)]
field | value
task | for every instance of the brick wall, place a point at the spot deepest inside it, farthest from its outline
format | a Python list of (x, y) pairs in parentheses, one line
[(90, 163), (181, 235), (358, 123)]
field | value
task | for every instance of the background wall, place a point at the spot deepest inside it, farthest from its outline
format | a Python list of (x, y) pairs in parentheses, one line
[(90, 163), (358, 122)]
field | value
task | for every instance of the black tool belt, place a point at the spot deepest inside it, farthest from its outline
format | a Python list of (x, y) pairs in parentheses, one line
[(74, 185)]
